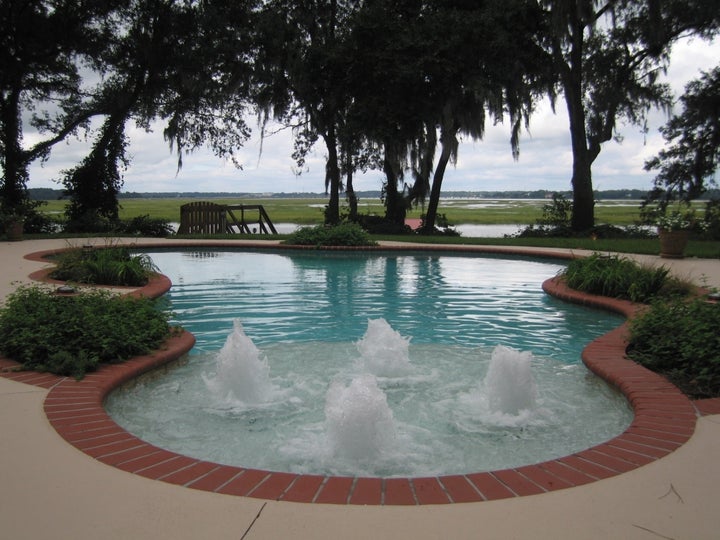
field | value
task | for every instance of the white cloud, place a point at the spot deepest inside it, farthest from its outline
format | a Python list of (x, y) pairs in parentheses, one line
[(545, 156)]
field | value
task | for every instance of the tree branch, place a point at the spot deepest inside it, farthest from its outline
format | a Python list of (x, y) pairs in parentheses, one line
[(43, 146)]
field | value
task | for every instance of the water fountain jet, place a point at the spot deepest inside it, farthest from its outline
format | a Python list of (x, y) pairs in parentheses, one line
[(384, 352), (242, 374), (359, 421), (509, 382)]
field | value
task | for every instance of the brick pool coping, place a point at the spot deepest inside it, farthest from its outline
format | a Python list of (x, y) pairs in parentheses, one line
[(664, 419)]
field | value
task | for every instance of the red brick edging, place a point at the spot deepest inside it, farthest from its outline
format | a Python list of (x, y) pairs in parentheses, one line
[(664, 420)]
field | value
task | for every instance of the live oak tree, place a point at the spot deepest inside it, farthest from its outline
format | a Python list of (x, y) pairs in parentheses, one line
[(686, 167), (427, 73), (65, 62), (608, 55), (209, 94), (44, 47), (492, 67), (391, 91), (300, 77), (184, 62), (134, 75)]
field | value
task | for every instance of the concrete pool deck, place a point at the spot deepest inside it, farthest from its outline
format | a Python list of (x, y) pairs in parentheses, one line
[(49, 489)]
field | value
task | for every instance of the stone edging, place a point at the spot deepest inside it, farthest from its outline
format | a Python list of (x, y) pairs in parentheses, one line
[(664, 420)]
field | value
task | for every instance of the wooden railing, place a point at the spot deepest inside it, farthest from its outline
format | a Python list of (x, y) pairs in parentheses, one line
[(264, 224), (209, 218)]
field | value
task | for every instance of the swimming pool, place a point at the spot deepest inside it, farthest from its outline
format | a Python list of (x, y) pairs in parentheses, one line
[(306, 313)]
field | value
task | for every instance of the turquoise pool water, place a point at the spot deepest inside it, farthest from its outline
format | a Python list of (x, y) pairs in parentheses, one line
[(310, 296), (305, 314)]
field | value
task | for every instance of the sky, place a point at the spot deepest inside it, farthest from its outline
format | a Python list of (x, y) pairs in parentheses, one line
[(545, 156)]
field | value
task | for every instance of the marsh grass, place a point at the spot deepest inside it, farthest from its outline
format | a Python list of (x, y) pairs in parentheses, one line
[(308, 211)]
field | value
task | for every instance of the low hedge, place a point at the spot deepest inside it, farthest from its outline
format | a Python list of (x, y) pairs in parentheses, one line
[(618, 277), (681, 340), (344, 234), (114, 265), (71, 335)]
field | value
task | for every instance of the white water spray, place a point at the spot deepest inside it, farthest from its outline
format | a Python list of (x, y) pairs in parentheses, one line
[(359, 422), (242, 374), (384, 352), (509, 382)]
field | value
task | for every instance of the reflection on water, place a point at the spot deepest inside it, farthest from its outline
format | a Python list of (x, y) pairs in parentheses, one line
[(310, 296)]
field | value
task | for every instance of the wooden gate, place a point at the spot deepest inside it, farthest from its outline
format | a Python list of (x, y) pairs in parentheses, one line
[(202, 218), (209, 218)]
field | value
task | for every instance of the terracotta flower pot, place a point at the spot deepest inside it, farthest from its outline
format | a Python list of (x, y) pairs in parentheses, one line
[(14, 230), (673, 243)]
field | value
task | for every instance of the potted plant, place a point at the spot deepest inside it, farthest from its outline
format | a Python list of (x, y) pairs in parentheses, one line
[(13, 222), (674, 231)]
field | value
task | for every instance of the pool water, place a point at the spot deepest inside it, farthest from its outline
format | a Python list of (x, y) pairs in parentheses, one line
[(326, 407)]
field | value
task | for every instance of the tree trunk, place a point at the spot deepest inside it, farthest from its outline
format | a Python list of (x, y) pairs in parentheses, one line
[(351, 195), (94, 185), (14, 164), (583, 210), (332, 178), (395, 210), (571, 76), (428, 226)]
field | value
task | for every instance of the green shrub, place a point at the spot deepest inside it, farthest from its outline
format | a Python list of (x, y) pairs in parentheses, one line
[(380, 225), (90, 222), (618, 277), (443, 227), (344, 234), (556, 213), (70, 335), (711, 220), (145, 226), (680, 340), (104, 266), (38, 223)]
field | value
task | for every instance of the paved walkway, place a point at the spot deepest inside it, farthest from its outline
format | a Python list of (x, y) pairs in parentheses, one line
[(48, 489)]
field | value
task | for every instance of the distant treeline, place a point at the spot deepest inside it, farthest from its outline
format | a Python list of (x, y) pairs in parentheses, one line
[(49, 194)]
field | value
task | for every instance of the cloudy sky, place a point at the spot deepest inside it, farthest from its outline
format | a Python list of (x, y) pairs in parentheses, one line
[(487, 165)]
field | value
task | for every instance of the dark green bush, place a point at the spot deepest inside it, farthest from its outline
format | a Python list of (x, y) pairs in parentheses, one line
[(680, 340), (555, 220), (145, 226), (138, 226), (443, 227), (39, 223), (115, 265), (344, 234), (70, 335), (90, 222), (711, 220), (380, 225), (618, 277)]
